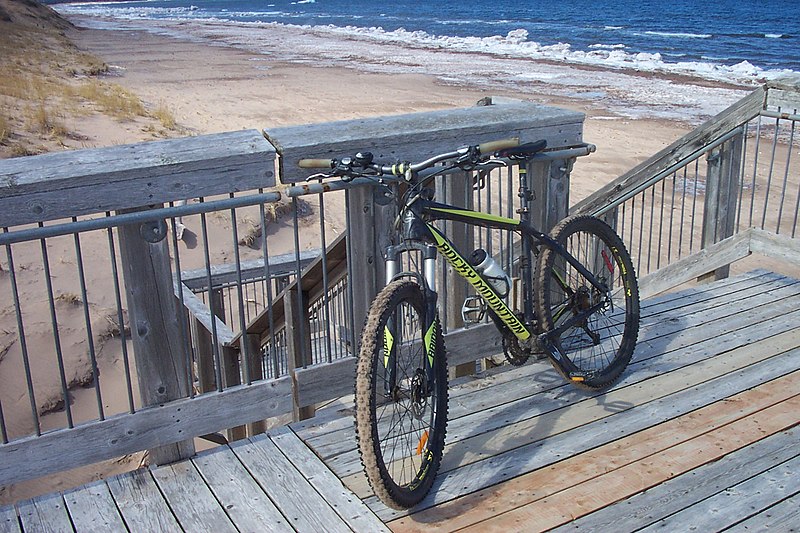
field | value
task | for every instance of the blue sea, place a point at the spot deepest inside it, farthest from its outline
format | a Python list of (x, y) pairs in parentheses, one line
[(727, 42)]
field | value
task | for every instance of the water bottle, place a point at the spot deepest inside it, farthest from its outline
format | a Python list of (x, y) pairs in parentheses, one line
[(493, 273)]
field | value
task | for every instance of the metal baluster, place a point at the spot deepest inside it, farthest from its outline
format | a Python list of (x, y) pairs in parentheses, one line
[(755, 172), (87, 318), (671, 218), (661, 223), (244, 346), (641, 235), (182, 311), (22, 342), (683, 211), (325, 280), (211, 302), (56, 338), (769, 175), (351, 297), (694, 205), (298, 278), (785, 177), (268, 287), (120, 318)]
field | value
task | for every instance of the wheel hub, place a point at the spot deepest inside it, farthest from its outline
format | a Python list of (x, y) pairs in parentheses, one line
[(419, 393)]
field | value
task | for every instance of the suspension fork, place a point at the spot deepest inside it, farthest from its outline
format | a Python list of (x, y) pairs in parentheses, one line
[(428, 283)]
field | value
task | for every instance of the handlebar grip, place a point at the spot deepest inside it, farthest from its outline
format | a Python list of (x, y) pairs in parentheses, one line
[(494, 146), (315, 163)]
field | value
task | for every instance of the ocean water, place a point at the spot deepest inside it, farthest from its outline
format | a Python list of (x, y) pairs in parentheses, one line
[(605, 51)]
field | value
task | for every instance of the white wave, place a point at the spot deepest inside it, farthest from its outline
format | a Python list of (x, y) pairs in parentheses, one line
[(607, 46), (514, 44), (773, 35), (678, 35)]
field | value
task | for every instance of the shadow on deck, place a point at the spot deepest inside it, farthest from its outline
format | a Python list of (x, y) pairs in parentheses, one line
[(699, 433)]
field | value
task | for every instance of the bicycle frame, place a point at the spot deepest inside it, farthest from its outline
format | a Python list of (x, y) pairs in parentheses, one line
[(418, 232)]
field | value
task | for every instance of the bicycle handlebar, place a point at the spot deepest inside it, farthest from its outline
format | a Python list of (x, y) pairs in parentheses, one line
[(496, 146), (350, 167), (316, 163)]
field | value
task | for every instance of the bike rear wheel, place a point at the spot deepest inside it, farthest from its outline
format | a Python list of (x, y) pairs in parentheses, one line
[(601, 345), (401, 407)]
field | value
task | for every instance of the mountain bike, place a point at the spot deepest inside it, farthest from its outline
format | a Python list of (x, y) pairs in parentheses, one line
[(580, 306)]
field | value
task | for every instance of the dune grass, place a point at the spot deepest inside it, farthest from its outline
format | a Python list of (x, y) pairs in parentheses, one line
[(111, 99), (45, 82), (4, 128)]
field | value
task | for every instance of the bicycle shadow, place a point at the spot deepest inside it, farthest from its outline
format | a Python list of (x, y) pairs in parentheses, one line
[(532, 433)]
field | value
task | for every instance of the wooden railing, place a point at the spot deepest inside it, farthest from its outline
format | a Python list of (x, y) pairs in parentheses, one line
[(737, 171), (80, 226)]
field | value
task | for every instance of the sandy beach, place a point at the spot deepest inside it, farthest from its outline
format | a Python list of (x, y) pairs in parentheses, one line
[(211, 86)]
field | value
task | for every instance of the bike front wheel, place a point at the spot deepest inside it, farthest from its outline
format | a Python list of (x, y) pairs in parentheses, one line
[(401, 395), (599, 346)]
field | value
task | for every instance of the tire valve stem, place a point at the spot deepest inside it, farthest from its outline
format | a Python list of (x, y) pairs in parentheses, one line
[(423, 440)]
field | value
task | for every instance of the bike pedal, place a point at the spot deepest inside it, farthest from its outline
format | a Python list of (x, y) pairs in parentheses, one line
[(473, 310), (578, 377)]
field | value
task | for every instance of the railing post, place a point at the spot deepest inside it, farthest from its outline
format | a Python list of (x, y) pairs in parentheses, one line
[(161, 359), (204, 340), (370, 233), (253, 341), (722, 196), (298, 336), (549, 181), (363, 255)]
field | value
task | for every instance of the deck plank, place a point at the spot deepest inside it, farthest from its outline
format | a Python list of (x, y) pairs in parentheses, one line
[(246, 503), (593, 494), (332, 429), (736, 503), (357, 515), (294, 496), (498, 467), (601, 461), (781, 517), (142, 506), (92, 509), (518, 420), (190, 499), (681, 491), (46, 514), (659, 334), (9, 521)]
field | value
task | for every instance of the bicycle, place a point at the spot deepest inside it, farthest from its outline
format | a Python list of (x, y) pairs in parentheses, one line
[(580, 306)]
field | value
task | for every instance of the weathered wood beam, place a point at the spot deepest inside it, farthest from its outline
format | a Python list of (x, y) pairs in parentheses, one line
[(149, 427), (328, 381), (417, 136), (80, 182), (201, 312), (696, 265), (775, 246), (225, 274)]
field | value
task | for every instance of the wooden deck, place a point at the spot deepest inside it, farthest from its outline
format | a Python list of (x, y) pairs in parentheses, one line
[(268, 483), (701, 433)]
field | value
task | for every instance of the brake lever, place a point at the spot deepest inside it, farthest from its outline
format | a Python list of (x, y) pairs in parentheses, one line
[(318, 176)]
